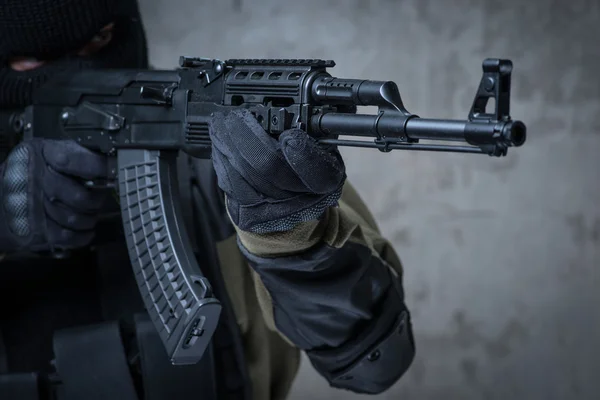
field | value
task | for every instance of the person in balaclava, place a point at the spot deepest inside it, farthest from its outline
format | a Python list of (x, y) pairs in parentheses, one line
[(292, 252)]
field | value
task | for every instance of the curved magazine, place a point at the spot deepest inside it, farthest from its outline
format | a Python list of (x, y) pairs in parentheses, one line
[(177, 296)]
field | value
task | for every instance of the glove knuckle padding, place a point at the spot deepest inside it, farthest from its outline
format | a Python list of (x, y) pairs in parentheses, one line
[(43, 204), (15, 190)]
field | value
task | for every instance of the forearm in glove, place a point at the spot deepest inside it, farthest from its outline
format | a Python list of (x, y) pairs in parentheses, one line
[(44, 204)]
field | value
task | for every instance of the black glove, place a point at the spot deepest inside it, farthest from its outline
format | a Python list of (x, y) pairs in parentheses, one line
[(272, 185), (44, 205)]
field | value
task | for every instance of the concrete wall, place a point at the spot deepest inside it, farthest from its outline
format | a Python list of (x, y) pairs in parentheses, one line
[(502, 255)]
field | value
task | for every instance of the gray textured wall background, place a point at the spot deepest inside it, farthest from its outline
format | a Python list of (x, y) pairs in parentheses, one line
[(501, 255)]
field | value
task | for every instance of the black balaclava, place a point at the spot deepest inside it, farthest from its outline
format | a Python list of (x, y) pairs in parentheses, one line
[(54, 30)]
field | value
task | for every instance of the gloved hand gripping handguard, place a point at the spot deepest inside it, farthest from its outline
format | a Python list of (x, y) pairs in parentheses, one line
[(272, 184)]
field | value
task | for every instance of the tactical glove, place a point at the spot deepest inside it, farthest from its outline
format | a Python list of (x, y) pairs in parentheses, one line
[(44, 205), (272, 184)]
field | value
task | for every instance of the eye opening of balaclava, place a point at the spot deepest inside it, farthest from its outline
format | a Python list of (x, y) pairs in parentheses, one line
[(53, 30)]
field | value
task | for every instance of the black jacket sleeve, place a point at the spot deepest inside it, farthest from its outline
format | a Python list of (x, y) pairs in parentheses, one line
[(336, 291)]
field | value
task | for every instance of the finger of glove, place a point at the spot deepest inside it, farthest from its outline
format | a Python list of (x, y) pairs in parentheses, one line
[(230, 181), (257, 157), (320, 170), (69, 158), (74, 194), (223, 155), (229, 134), (67, 218), (269, 166), (63, 238)]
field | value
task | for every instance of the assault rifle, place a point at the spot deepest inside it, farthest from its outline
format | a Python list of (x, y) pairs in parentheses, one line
[(142, 119)]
